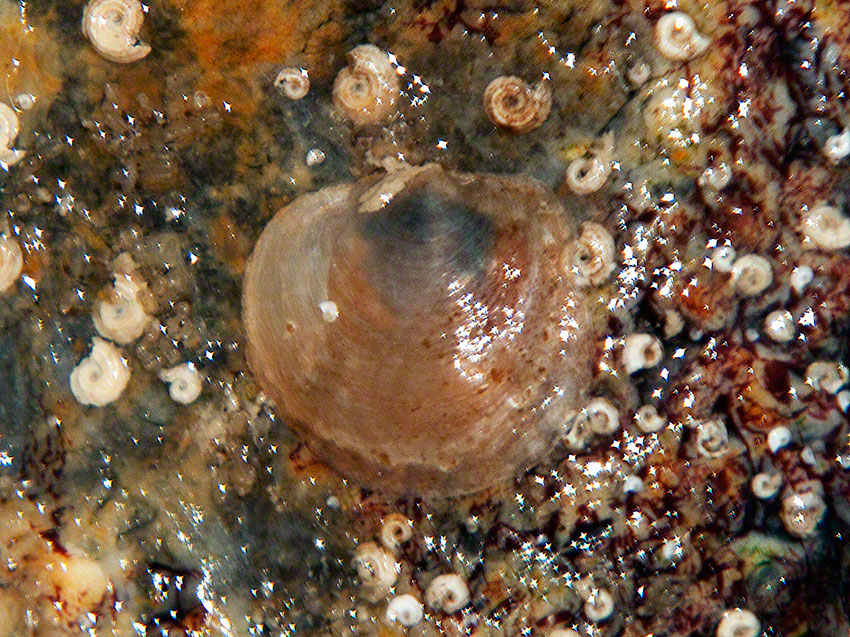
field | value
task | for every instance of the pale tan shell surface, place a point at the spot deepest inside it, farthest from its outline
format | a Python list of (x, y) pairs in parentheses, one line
[(458, 346)]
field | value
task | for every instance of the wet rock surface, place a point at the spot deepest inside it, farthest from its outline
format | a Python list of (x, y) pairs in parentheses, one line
[(214, 517)]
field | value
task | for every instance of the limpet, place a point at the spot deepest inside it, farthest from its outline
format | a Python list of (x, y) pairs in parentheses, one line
[(458, 344)]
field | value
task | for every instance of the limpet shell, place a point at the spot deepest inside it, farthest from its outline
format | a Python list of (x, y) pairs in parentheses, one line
[(459, 346)]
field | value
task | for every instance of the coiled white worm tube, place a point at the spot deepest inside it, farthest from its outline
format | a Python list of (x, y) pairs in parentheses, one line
[(101, 377)]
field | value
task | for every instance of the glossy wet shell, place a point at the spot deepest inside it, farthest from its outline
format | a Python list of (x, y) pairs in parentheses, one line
[(458, 346)]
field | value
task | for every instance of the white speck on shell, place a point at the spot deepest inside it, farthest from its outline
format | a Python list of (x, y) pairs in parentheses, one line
[(825, 227), (101, 377), (122, 318), (112, 27), (329, 310), (807, 455), (315, 156), (632, 484), (11, 262), (676, 37), (405, 610), (777, 438), (752, 274), (184, 383), (800, 277), (294, 82), (639, 74), (447, 593), (738, 622), (641, 351), (25, 101), (843, 400), (587, 175), (837, 147), (716, 177), (9, 128), (779, 326)]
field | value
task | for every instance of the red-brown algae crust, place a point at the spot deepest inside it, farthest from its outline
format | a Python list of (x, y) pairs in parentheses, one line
[(448, 366)]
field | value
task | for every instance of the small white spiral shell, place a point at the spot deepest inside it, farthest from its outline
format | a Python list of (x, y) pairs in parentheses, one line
[(829, 376), (587, 175), (11, 262), (184, 383), (738, 622), (9, 128), (395, 531), (723, 258), (101, 377), (800, 277), (376, 568), (716, 177), (641, 351), (593, 256), (562, 632), (677, 38), (122, 319), (512, 103), (752, 274), (825, 227), (712, 438), (112, 27), (405, 610), (779, 326), (648, 420), (366, 90), (764, 485), (778, 438), (599, 605), (837, 147), (447, 593), (294, 82), (603, 419), (803, 508)]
